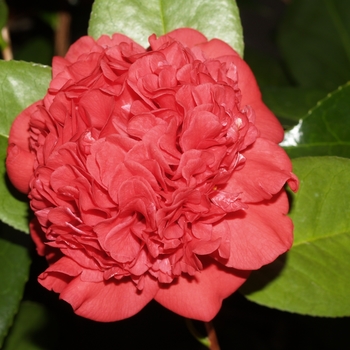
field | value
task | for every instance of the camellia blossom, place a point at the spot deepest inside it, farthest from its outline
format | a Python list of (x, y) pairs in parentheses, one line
[(153, 174)]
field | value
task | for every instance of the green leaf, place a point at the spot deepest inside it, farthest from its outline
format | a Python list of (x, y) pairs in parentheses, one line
[(313, 278), (290, 104), (315, 42), (325, 130), (140, 19), (33, 329), (21, 84), (14, 270)]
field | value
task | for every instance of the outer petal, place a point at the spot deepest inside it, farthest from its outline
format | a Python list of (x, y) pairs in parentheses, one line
[(265, 172), (108, 301), (58, 275), (118, 38), (19, 132), (265, 121), (201, 297), (259, 235), (82, 45), (99, 301), (187, 36), (19, 165), (38, 236), (19, 161), (216, 48)]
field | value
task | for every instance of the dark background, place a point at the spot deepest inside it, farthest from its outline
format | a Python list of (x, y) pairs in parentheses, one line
[(240, 324)]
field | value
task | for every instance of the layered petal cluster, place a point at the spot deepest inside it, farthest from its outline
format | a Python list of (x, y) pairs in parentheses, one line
[(153, 174)]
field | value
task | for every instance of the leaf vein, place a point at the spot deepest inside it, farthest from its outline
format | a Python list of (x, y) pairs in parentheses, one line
[(314, 239), (162, 19)]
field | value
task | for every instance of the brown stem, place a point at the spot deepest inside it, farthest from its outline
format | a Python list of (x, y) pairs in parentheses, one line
[(214, 344), (7, 51), (62, 34)]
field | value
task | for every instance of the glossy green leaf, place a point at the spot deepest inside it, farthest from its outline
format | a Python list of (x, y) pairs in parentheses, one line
[(325, 130), (290, 104), (21, 84), (33, 329), (313, 278), (14, 271), (315, 42), (139, 19)]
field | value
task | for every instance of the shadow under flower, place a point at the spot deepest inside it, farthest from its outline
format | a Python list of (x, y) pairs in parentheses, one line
[(259, 279)]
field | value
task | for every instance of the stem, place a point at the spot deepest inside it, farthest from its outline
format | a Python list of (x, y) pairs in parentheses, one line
[(210, 341), (196, 334), (213, 340), (62, 35), (7, 50)]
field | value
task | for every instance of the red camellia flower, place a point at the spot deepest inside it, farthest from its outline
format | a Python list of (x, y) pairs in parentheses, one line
[(153, 174)]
